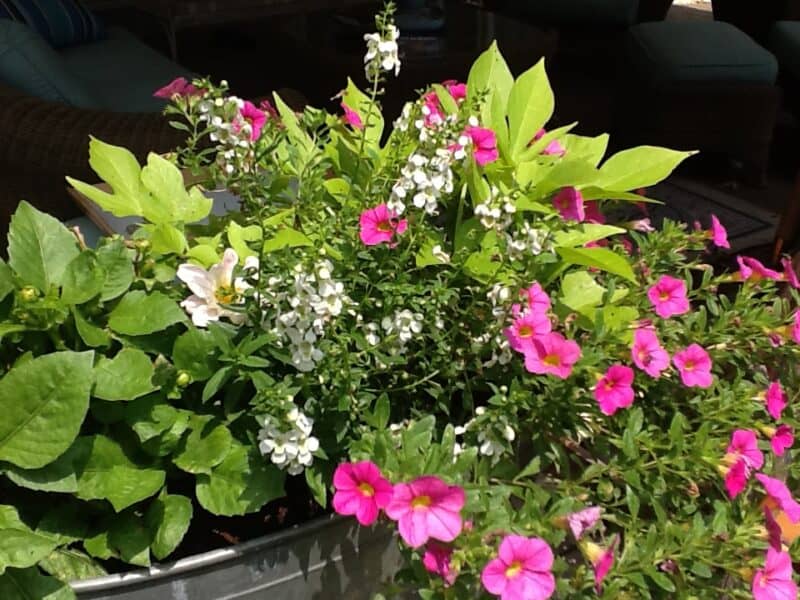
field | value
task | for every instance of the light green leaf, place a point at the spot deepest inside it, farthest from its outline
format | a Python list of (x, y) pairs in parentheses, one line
[(481, 265), (71, 565), (243, 483), (20, 547), (60, 475), (287, 214), (534, 151), (206, 446), (99, 546), (530, 106), (590, 149), (83, 279), (127, 376), (286, 238), (584, 233), (195, 352), (131, 538), (168, 519), (119, 168), (446, 99), (31, 584), (150, 416), (39, 247), (204, 254), (238, 237), (580, 291), (601, 258), (117, 261), (110, 475), (425, 257), (566, 173), (491, 74), (293, 129), (165, 238), (197, 207), (139, 313), (337, 187), (360, 102), (91, 335), (164, 183), (7, 284), (638, 167), (43, 402), (316, 484)]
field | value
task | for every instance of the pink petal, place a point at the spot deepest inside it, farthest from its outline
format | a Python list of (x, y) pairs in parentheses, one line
[(442, 524), (367, 512), (493, 576)]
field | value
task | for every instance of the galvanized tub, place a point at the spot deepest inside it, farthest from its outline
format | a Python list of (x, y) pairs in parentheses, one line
[(330, 558)]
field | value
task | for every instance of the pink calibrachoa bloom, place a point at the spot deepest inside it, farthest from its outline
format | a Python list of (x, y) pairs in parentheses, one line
[(525, 328), (583, 520), (361, 490), (553, 148), (781, 439), (436, 560), (552, 354), (254, 117), (744, 445), (351, 117), (379, 225), (778, 492), (426, 508), (774, 581), (751, 268), (484, 143), (592, 212), (668, 296), (538, 300), (569, 204), (521, 571), (736, 478), (719, 235), (602, 559), (774, 532), (432, 110), (647, 353), (268, 109), (789, 273), (694, 366), (177, 87), (775, 399), (613, 390), (457, 89)]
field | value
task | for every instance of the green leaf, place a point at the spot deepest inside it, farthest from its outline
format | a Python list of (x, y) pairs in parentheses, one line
[(91, 335), (150, 416), (205, 254), (127, 376), (58, 476), (164, 183), (117, 261), (360, 102), (532, 468), (31, 584), (491, 74), (316, 484), (39, 247), (20, 547), (110, 475), (601, 258), (216, 382), (638, 167), (336, 187), (584, 233), (446, 99), (66, 522), (71, 565), (241, 484), (195, 352), (482, 265), (83, 279), (165, 238), (286, 238), (530, 106), (633, 501), (661, 580), (590, 149), (119, 168), (293, 129), (7, 284), (131, 538), (43, 402), (381, 412), (168, 519), (238, 237), (139, 313), (99, 546), (206, 446), (425, 256)]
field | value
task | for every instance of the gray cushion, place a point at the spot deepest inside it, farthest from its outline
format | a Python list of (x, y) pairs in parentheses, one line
[(681, 51), (784, 41), (123, 72), (619, 13)]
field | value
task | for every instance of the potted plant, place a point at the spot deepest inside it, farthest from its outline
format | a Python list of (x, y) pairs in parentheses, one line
[(434, 329)]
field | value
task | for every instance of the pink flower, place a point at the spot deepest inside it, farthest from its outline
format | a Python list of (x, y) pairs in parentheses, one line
[(432, 110), (694, 366), (778, 492), (525, 328), (426, 508), (379, 225), (602, 560), (268, 109), (457, 90), (613, 391), (719, 235), (484, 143), (569, 203), (775, 399), (553, 148), (774, 581), (436, 560), (647, 353), (521, 571), (782, 439), (744, 445), (254, 117), (552, 354), (789, 273), (361, 490), (177, 87), (351, 117), (592, 211), (774, 533), (668, 296), (736, 478), (796, 327), (750, 268), (583, 520), (538, 300)]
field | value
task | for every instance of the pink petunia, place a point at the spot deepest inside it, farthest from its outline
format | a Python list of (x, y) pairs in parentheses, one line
[(538, 300), (268, 109), (553, 148), (736, 478), (457, 89), (789, 272), (521, 571), (719, 235), (613, 390), (774, 581), (602, 560), (426, 508), (379, 225), (752, 269), (525, 328), (552, 354), (796, 327), (254, 117), (179, 87), (778, 492), (668, 296), (774, 532), (351, 117), (583, 520), (744, 445), (569, 204), (436, 560), (592, 212), (432, 110), (361, 490), (775, 399), (694, 366), (781, 439), (484, 143), (647, 353)]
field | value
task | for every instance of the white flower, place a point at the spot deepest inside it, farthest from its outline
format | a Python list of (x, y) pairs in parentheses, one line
[(289, 443), (440, 254), (212, 290), (382, 52)]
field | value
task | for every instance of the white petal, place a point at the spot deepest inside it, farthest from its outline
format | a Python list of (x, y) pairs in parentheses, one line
[(197, 279)]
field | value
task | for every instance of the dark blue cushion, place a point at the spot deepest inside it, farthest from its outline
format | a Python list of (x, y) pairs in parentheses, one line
[(784, 41), (60, 22)]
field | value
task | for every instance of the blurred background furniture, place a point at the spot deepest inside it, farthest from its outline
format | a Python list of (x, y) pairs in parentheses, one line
[(755, 17)]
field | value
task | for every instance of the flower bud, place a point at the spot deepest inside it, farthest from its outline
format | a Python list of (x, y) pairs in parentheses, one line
[(28, 293), (142, 245), (184, 378), (591, 551), (693, 490)]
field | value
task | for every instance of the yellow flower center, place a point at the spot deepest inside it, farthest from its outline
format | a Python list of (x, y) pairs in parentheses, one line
[(525, 331), (421, 502), (688, 366), (225, 295), (664, 296), (552, 360), (514, 569), (366, 490), (384, 226)]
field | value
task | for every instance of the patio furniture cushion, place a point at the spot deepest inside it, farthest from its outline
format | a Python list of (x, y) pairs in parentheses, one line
[(621, 13), (682, 51), (60, 22), (784, 41)]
